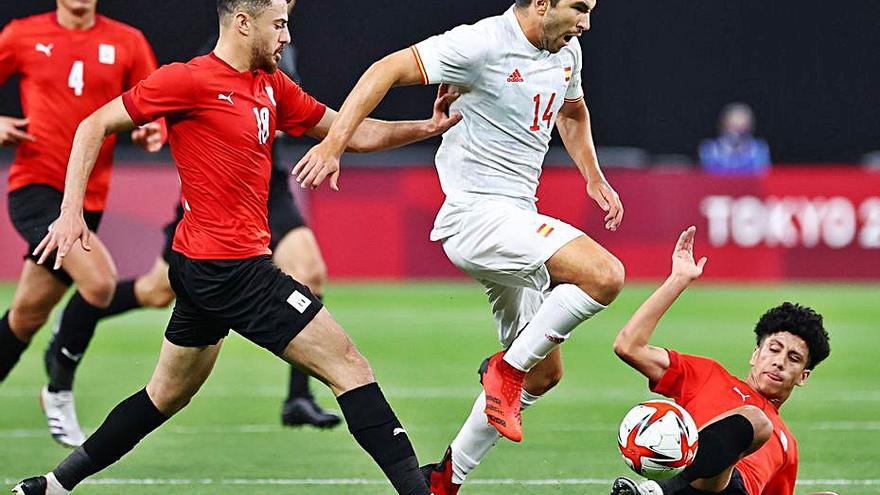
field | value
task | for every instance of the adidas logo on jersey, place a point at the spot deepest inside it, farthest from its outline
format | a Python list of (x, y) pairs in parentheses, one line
[(515, 77)]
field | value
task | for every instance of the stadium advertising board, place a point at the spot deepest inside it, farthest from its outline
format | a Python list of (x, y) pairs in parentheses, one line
[(795, 223), (801, 223)]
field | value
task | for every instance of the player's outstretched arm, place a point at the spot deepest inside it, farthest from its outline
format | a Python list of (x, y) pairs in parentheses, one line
[(631, 344), (397, 69), (378, 135), (70, 225), (573, 122), (12, 131)]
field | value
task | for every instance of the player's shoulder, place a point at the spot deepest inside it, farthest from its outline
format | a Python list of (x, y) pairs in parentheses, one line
[(481, 32), (201, 66), (178, 74), (36, 22), (284, 78), (703, 363), (120, 29), (573, 48), (197, 72)]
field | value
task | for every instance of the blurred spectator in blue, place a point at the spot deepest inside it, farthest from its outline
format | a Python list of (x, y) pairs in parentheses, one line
[(736, 151)]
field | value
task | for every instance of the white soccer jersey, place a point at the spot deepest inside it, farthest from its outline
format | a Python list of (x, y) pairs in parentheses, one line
[(511, 93)]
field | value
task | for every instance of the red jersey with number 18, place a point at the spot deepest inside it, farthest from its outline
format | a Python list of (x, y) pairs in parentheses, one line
[(706, 390), (221, 125), (66, 75)]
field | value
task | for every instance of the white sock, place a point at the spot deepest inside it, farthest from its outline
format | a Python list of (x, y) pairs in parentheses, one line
[(53, 487), (563, 310), (477, 437)]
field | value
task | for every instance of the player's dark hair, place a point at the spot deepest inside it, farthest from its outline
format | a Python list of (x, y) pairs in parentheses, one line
[(798, 320), (525, 3), (253, 7)]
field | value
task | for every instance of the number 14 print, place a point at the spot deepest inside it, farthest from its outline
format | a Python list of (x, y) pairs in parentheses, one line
[(548, 115)]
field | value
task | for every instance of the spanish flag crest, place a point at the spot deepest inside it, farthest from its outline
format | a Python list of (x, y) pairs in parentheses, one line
[(545, 230), (567, 74)]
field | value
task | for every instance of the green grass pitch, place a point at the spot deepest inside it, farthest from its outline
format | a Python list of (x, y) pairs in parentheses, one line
[(425, 342)]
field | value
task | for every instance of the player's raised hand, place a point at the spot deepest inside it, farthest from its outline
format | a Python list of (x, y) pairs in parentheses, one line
[(12, 131), (683, 265), (441, 119), (607, 199), (319, 163), (63, 233), (148, 137)]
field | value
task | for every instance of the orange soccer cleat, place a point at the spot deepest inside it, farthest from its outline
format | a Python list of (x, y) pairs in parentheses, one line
[(503, 386)]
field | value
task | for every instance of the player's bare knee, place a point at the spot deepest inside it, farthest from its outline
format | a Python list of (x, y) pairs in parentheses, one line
[(358, 370), (605, 282), (169, 400), (157, 297), (761, 424), (99, 292), (315, 277), (25, 320)]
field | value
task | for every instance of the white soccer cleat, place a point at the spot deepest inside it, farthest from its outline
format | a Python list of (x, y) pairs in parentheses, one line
[(626, 486), (60, 412)]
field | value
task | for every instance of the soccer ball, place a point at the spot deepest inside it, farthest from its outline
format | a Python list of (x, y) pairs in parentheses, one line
[(657, 439)]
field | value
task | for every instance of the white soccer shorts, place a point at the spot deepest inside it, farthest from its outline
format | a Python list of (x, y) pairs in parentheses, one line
[(505, 248)]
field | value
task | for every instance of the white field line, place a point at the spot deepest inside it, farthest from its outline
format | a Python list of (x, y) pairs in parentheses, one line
[(252, 429), (363, 481)]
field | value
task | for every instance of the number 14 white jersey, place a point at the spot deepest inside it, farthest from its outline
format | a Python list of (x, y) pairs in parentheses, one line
[(511, 93)]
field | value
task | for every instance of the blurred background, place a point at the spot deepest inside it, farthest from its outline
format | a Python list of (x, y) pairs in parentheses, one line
[(756, 121)]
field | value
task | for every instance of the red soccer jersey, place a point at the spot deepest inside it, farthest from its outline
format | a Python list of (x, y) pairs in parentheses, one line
[(65, 76), (221, 125), (706, 390)]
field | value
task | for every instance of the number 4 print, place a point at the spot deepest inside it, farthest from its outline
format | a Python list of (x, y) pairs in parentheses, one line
[(75, 80), (548, 115)]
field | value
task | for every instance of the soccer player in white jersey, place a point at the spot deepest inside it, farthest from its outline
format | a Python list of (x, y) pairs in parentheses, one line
[(518, 74)]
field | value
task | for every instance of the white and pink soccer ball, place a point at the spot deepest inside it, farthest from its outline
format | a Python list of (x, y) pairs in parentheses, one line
[(658, 439)]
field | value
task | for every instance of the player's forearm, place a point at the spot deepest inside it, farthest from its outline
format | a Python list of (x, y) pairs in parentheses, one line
[(366, 95), (378, 135), (577, 136), (87, 144), (637, 332)]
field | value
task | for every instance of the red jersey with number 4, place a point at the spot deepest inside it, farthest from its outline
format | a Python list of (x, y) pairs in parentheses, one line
[(65, 76), (706, 390), (221, 125)]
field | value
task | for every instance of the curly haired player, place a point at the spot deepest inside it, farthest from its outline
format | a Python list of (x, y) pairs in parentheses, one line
[(745, 447)]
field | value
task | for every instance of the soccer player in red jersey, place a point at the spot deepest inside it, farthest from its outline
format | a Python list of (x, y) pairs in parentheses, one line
[(294, 250), (745, 448), (71, 62), (222, 111)]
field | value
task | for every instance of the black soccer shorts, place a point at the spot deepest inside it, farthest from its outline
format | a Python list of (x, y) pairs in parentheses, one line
[(251, 296), (32, 209)]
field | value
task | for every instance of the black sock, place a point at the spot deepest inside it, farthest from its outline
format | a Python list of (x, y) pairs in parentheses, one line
[(75, 331), (299, 385), (125, 426), (722, 443), (10, 347), (377, 430)]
